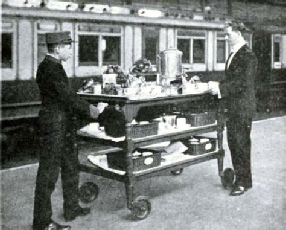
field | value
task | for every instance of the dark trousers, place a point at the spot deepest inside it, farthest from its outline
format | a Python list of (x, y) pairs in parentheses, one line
[(57, 154), (239, 143)]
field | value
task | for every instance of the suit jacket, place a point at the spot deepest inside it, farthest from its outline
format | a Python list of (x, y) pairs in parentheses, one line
[(238, 89), (59, 102)]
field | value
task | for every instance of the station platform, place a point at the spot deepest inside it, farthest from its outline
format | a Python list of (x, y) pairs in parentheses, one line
[(193, 200)]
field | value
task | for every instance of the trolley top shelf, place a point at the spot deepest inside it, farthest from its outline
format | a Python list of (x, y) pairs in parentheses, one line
[(131, 107), (144, 100)]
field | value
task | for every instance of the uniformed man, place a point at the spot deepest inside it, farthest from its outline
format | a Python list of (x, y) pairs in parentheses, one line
[(57, 131), (237, 91)]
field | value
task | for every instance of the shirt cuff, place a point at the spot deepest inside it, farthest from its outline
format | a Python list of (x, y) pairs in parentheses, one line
[(218, 93)]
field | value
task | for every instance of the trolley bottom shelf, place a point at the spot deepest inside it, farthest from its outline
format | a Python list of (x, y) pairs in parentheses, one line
[(140, 206)]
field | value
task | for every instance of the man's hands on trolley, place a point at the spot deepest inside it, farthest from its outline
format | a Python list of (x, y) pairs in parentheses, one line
[(96, 110)]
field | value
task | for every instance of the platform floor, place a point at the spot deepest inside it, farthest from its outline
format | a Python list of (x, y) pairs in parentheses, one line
[(194, 200)]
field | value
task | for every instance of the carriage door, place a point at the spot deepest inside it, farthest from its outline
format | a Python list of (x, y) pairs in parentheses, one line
[(262, 48)]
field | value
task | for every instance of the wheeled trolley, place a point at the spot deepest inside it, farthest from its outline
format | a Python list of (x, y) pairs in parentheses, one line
[(140, 206)]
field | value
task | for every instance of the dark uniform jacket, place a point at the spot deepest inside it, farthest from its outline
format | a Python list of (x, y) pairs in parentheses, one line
[(57, 139), (55, 91), (237, 89)]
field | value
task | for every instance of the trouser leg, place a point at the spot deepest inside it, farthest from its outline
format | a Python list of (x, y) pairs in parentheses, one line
[(48, 172), (70, 174), (239, 142)]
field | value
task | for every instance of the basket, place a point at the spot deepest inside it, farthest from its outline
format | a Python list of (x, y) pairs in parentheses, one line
[(118, 161), (200, 119), (143, 130)]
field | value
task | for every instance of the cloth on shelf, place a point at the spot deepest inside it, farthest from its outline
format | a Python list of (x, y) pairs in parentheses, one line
[(98, 132), (171, 159)]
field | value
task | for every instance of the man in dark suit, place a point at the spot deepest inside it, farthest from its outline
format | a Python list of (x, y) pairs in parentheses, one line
[(237, 93), (57, 133)]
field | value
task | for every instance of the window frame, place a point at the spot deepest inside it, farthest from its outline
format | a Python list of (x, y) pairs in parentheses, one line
[(191, 37), (219, 66), (9, 27), (281, 64), (145, 30), (86, 64), (42, 27), (120, 47), (84, 70)]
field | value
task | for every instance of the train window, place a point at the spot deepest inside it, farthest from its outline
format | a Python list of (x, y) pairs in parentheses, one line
[(42, 47), (276, 48), (7, 50), (98, 45), (193, 50), (111, 55), (41, 27), (221, 50), (278, 51), (193, 45), (184, 46), (199, 51), (150, 44), (193, 33), (99, 28), (89, 46), (88, 50)]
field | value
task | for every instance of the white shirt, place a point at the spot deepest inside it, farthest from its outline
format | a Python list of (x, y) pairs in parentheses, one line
[(234, 50)]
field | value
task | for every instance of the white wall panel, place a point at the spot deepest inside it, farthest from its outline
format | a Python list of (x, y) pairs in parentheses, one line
[(69, 65), (25, 52), (128, 47), (163, 39), (137, 43), (283, 51), (210, 51), (171, 42)]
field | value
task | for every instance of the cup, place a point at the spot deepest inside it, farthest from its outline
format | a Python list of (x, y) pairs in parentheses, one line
[(97, 89), (170, 119), (173, 91), (161, 126), (181, 122)]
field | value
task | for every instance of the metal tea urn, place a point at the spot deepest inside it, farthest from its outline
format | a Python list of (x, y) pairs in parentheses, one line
[(170, 63)]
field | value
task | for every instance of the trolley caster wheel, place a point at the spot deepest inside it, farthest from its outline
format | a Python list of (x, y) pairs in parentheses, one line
[(141, 208), (177, 172), (227, 177), (88, 192)]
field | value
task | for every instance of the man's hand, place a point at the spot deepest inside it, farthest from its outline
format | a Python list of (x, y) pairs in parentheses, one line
[(94, 111), (101, 106), (213, 87)]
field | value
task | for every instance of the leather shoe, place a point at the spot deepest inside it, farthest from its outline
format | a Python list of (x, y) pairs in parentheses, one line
[(238, 190), (71, 215), (53, 226)]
